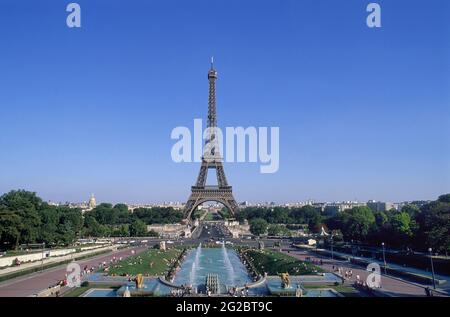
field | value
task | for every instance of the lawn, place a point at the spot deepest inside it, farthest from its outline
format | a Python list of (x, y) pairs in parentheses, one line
[(153, 262), (274, 263), (346, 290), (78, 291)]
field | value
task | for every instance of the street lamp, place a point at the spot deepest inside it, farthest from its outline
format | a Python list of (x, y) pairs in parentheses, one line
[(384, 258), (432, 267), (331, 247)]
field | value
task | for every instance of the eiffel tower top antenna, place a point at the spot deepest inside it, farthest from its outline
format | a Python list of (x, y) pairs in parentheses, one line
[(212, 62)]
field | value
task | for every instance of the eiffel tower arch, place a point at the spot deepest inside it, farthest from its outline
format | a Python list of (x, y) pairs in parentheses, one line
[(211, 159)]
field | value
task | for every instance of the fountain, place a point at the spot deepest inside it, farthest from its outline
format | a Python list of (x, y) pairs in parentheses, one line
[(228, 265), (195, 265), (212, 284), (219, 262), (219, 270)]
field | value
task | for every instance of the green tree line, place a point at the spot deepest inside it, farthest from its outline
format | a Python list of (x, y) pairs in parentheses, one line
[(411, 227), (25, 218)]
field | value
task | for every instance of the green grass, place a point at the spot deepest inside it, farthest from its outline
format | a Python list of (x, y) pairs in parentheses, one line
[(274, 263), (78, 291), (152, 262), (346, 290)]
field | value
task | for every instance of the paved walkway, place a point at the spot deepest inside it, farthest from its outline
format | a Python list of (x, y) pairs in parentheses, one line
[(46, 261), (395, 266), (392, 286), (444, 287), (33, 283)]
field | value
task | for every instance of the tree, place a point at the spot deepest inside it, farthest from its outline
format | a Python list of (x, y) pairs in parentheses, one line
[(381, 219), (258, 226), (434, 224), (70, 224), (122, 214), (278, 215), (24, 206), (138, 228), (278, 230), (358, 223), (225, 213), (411, 210), (158, 215), (444, 198), (104, 214), (10, 227), (402, 228), (93, 229), (313, 218), (122, 230), (49, 226)]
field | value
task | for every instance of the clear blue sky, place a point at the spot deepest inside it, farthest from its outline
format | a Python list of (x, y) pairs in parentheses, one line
[(363, 113)]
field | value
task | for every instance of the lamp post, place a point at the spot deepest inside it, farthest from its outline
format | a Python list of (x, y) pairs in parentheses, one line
[(432, 267), (351, 247), (42, 257), (384, 258), (332, 247)]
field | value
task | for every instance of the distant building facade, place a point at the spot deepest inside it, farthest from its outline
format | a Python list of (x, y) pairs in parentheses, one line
[(378, 206), (92, 202), (171, 231)]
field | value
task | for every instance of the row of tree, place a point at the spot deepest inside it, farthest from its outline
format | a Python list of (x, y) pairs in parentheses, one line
[(413, 226), (259, 226), (26, 219), (282, 215)]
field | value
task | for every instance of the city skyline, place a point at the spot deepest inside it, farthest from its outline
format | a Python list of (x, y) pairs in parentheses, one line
[(308, 201), (363, 113)]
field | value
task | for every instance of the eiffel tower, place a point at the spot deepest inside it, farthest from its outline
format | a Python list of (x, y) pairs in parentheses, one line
[(211, 159)]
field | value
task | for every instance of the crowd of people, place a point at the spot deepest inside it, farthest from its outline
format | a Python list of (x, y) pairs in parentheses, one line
[(102, 266), (238, 293)]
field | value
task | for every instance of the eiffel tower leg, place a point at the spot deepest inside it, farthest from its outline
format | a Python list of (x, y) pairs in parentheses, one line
[(190, 207), (233, 205), (201, 179), (221, 178)]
